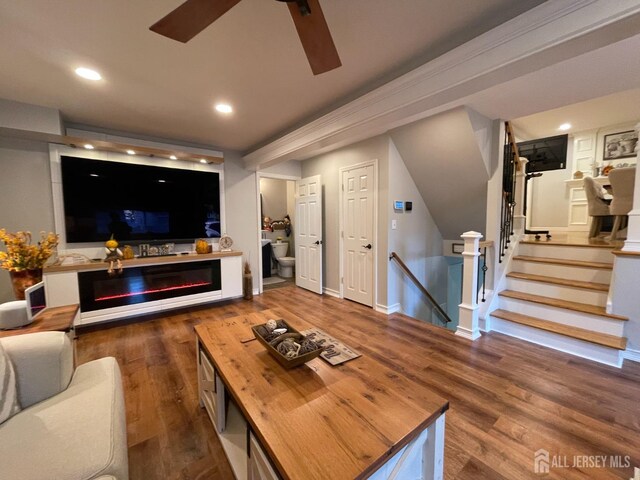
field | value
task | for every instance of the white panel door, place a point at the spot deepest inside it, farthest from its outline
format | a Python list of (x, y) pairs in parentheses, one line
[(308, 230), (357, 223)]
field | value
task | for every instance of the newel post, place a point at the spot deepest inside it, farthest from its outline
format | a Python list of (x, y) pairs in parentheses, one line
[(632, 244), (468, 309)]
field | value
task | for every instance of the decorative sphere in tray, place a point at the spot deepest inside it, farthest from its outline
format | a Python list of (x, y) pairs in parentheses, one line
[(289, 347)]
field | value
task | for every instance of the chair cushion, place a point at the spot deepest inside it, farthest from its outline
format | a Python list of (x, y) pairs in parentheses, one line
[(77, 434), (8, 388)]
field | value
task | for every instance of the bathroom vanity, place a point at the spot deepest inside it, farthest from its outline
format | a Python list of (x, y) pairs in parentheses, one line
[(362, 419)]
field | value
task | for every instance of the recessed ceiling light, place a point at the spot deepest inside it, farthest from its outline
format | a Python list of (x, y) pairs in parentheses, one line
[(202, 160), (88, 146), (131, 152), (564, 126), (161, 181), (173, 157), (88, 73), (224, 108), (93, 174)]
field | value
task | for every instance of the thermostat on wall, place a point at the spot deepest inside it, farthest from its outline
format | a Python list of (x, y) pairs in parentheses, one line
[(398, 205)]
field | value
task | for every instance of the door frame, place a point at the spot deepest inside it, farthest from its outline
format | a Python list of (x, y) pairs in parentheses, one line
[(275, 176), (374, 250)]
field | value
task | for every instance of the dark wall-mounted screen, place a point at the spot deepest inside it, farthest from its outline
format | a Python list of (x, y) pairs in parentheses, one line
[(545, 154), (138, 203)]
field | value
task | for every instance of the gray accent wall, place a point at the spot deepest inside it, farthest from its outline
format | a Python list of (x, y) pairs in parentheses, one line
[(25, 194), (417, 241), (328, 166), (447, 157)]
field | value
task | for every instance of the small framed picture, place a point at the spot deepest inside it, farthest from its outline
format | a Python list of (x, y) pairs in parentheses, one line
[(457, 247), (620, 145)]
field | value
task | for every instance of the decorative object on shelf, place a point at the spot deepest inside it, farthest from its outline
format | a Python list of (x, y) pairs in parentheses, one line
[(578, 175), (287, 225), (23, 260), (247, 282), (225, 243), (114, 255), (620, 145), (143, 249), (128, 253), (266, 224), (606, 170), (202, 246), (290, 349)]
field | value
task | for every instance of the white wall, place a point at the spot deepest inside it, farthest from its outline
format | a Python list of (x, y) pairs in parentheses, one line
[(273, 192), (626, 300), (25, 194), (417, 241), (241, 208), (34, 118), (328, 165)]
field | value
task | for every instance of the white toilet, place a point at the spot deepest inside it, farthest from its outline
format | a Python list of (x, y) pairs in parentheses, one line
[(285, 264)]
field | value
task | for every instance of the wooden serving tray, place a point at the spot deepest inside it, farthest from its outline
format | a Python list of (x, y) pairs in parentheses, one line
[(282, 360)]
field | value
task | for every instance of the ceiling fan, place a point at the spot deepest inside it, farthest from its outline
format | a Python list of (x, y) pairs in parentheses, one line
[(193, 16)]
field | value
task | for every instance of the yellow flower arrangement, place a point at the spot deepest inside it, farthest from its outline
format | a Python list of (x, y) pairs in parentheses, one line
[(22, 255)]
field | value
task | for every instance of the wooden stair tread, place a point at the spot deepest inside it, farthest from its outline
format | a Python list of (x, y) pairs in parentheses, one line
[(562, 261), (556, 302), (604, 339), (565, 282), (561, 243)]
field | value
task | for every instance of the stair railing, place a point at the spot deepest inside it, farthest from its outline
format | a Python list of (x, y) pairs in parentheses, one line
[(483, 268), (444, 318), (509, 173)]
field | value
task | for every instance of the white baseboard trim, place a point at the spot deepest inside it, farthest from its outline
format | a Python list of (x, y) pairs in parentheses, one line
[(331, 292), (256, 291), (468, 334), (633, 355), (388, 310)]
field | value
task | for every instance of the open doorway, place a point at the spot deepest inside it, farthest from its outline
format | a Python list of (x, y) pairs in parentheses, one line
[(276, 208)]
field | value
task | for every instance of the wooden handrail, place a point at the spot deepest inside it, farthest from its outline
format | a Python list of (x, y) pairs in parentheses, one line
[(425, 292), (486, 244), (514, 145)]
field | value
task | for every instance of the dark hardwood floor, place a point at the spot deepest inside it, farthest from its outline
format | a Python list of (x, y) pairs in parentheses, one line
[(508, 398)]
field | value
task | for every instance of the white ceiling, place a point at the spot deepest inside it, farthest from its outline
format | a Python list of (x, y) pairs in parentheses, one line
[(610, 110), (251, 57)]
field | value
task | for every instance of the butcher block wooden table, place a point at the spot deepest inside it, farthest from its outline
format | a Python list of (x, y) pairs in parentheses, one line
[(357, 420)]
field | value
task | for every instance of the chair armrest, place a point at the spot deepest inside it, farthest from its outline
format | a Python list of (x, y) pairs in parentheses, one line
[(43, 364)]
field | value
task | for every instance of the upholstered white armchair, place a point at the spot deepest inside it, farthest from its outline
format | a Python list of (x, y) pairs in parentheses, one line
[(597, 205), (622, 185), (72, 424)]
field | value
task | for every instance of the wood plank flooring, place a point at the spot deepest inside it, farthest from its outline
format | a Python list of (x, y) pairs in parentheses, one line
[(508, 398)]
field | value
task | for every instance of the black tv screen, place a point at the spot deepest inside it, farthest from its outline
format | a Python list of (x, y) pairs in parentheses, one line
[(138, 203), (545, 154)]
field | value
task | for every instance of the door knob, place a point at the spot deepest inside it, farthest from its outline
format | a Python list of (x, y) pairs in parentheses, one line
[(367, 246), (317, 242)]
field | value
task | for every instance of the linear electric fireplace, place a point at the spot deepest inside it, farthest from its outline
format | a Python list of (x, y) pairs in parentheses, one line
[(98, 290)]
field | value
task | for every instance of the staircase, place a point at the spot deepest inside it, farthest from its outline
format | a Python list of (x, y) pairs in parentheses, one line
[(556, 296)]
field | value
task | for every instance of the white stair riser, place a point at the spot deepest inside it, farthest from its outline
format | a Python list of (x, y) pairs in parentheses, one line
[(596, 275), (595, 323), (573, 294), (568, 253), (591, 351)]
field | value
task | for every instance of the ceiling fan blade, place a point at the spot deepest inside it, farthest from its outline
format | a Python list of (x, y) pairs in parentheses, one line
[(315, 37), (190, 18)]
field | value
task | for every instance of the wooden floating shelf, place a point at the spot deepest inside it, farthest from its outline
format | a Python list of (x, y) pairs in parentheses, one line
[(141, 261)]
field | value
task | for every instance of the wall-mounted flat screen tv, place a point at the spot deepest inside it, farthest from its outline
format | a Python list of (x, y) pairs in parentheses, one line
[(138, 203), (545, 154)]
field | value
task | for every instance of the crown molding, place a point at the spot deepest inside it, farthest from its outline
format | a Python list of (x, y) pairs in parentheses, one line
[(438, 84)]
